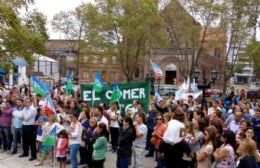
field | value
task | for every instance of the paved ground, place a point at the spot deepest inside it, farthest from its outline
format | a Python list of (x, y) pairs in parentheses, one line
[(13, 161)]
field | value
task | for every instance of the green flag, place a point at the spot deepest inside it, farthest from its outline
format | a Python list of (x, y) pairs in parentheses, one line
[(116, 94), (49, 141), (68, 84), (99, 84), (39, 87)]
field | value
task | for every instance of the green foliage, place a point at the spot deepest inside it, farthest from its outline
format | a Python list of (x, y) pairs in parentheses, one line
[(121, 28), (17, 40), (239, 68), (134, 26), (254, 52), (36, 22)]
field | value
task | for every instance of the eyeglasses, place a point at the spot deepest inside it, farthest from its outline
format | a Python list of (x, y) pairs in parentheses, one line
[(84, 106), (158, 118)]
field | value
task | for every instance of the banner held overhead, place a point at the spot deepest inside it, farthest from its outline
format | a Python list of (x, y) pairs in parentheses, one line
[(129, 91)]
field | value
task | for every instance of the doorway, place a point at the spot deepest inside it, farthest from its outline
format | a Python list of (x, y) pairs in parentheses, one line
[(170, 77)]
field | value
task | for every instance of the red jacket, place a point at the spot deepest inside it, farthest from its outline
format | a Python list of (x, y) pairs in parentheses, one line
[(62, 148)]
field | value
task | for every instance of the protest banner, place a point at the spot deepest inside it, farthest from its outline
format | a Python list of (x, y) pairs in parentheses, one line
[(129, 91)]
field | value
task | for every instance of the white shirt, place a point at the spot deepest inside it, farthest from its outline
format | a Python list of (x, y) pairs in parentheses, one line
[(133, 110), (76, 131), (233, 126), (172, 133), (16, 115), (29, 115), (211, 111), (103, 120), (113, 123), (141, 142)]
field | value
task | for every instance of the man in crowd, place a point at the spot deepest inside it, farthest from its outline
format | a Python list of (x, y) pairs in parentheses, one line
[(234, 125), (17, 125), (98, 114), (5, 125), (29, 130)]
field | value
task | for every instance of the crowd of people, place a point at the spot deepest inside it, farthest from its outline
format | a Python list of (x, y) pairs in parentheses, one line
[(222, 133)]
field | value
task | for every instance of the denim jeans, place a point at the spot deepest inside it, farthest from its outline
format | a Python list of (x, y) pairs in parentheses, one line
[(122, 162), (148, 144), (74, 148), (5, 135), (17, 137)]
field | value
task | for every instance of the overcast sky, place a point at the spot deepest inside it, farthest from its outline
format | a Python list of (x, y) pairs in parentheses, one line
[(51, 7)]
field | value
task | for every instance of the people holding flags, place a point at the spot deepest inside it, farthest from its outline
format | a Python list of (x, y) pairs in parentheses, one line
[(69, 86)]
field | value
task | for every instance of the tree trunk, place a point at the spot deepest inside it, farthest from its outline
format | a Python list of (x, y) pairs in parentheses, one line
[(225, 84)]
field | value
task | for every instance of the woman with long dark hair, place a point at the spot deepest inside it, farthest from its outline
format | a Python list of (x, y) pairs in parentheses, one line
[(172, 146), (100, 145), (225, 155), (126, 138), (89, 138), (84, 120), (205, 153)]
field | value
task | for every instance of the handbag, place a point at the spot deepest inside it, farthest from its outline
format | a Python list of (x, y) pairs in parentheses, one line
[(153, 140)]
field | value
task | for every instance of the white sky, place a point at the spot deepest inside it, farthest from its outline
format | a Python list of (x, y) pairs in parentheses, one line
[(51, 7)]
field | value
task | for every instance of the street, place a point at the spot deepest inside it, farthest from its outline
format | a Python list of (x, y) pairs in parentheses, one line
[(13, 161)]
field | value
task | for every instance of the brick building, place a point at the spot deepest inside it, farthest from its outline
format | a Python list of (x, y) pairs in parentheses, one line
[(65, 52), (108, 66)]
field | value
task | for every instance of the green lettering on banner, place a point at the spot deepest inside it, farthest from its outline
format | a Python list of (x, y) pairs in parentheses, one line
[(130, 91)]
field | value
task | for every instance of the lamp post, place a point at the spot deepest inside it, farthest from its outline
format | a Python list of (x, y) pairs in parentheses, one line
[(151, 80), (204, 85)]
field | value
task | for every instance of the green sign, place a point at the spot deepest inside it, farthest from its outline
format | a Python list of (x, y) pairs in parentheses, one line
[(130, 91)]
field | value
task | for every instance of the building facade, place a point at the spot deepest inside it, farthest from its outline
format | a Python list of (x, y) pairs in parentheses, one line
[(66, 53)]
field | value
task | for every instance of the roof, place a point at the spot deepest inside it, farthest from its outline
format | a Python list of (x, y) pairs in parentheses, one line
[(43, 58)]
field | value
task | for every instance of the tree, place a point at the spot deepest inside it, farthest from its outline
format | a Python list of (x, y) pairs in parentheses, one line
[(253, 50), (17, 40), (73, 26), (189, 26), (237, 19), (35, 21), (125, 29)]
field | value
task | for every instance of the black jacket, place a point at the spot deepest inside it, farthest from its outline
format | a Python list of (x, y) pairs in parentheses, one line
[(247, 162), (126, 138)]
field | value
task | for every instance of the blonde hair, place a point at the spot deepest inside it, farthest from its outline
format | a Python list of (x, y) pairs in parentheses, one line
[(250, 149)]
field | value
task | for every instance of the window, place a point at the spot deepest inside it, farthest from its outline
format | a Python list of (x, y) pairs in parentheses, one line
[(217, 52), (113, 59), (137, 72), (112, 76), (95, 59), (85, 75), (104, 60), (93, 76), (85, 59)]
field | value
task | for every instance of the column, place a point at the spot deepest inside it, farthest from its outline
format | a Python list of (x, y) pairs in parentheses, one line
[(11, 79)]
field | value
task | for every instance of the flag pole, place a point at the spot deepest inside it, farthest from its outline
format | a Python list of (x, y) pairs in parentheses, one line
[(93, 91)]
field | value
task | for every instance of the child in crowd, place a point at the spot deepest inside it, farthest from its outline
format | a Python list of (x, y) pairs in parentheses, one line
[(61, 148)]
